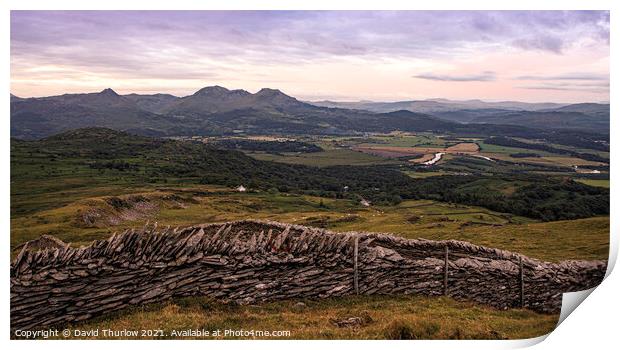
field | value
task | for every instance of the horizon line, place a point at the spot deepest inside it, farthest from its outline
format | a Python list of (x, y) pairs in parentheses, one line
[(310, 100)]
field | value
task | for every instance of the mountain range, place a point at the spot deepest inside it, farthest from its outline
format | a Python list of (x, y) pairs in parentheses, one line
[(581, 116), (438, 105), (215, 110), (212, 110)]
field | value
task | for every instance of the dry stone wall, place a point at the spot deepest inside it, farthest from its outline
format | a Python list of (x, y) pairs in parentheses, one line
[(256, 261)]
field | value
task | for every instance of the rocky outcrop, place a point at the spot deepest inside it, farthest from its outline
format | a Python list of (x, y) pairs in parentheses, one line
[(256, 261)]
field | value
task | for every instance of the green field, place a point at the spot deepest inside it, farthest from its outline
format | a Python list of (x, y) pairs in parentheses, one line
[(418, 140), (560, 240), (568, 148), (424, 174), (328, 157), (595, 182), (490, 148)]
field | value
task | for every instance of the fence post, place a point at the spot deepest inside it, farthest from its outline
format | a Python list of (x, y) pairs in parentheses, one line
[(445, 273), (521, 283), (355, 272)]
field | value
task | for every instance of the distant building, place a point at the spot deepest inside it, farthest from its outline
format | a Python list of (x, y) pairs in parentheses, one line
[(240, 188)]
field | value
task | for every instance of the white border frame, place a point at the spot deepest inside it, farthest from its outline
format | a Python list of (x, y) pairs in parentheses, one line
[(591, 325)]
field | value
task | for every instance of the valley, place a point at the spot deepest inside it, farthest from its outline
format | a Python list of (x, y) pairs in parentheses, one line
[(543, 194), (306, 174)]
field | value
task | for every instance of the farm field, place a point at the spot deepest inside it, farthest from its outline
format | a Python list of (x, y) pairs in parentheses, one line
[(427, 145), (424, 174), (459, 148), (551, 160), (568, 148), (417, 140), (595, 182), (490, 148), (407, 149), (326, 158)]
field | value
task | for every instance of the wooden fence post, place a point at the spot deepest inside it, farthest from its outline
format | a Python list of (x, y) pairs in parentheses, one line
[(445, 273), (355, 272), (521, 283)]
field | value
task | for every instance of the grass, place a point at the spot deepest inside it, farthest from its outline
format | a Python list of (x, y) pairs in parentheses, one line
[(420, 140), (424, 174), (490, 148), (569, 148), (328, 157), (595, 182), (553, 241), (424, 143), (384, 317), (546, 158), (551, 160)]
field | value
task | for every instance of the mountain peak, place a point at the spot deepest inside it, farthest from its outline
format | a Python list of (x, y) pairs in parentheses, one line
[(212, 90), (269, 92), (274, 95), (108, 92)]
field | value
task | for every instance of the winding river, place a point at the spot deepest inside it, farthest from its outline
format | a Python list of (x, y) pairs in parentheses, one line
[(435, 159)]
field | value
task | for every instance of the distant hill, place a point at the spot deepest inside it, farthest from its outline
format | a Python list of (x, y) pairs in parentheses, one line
[(40, 117), (212, 110), (15, 98), (563, 118), (581, 116), (592, 109), (438, 105), (215, 110)]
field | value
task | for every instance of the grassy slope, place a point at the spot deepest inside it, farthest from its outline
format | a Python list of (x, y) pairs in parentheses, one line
[(393, 317), (560, 240)]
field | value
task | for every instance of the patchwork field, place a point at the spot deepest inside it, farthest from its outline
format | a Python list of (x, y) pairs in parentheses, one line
[(551, 160), (411, 149), (393, 151)]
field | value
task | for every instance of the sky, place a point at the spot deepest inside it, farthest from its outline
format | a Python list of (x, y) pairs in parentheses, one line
[(534, 56)]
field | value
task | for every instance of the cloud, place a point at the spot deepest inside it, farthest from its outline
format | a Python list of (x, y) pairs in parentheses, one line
[(584, 88), (484, 76), (138, 37), (584, 82), (545, 43), (134, 47), (569, 76)]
